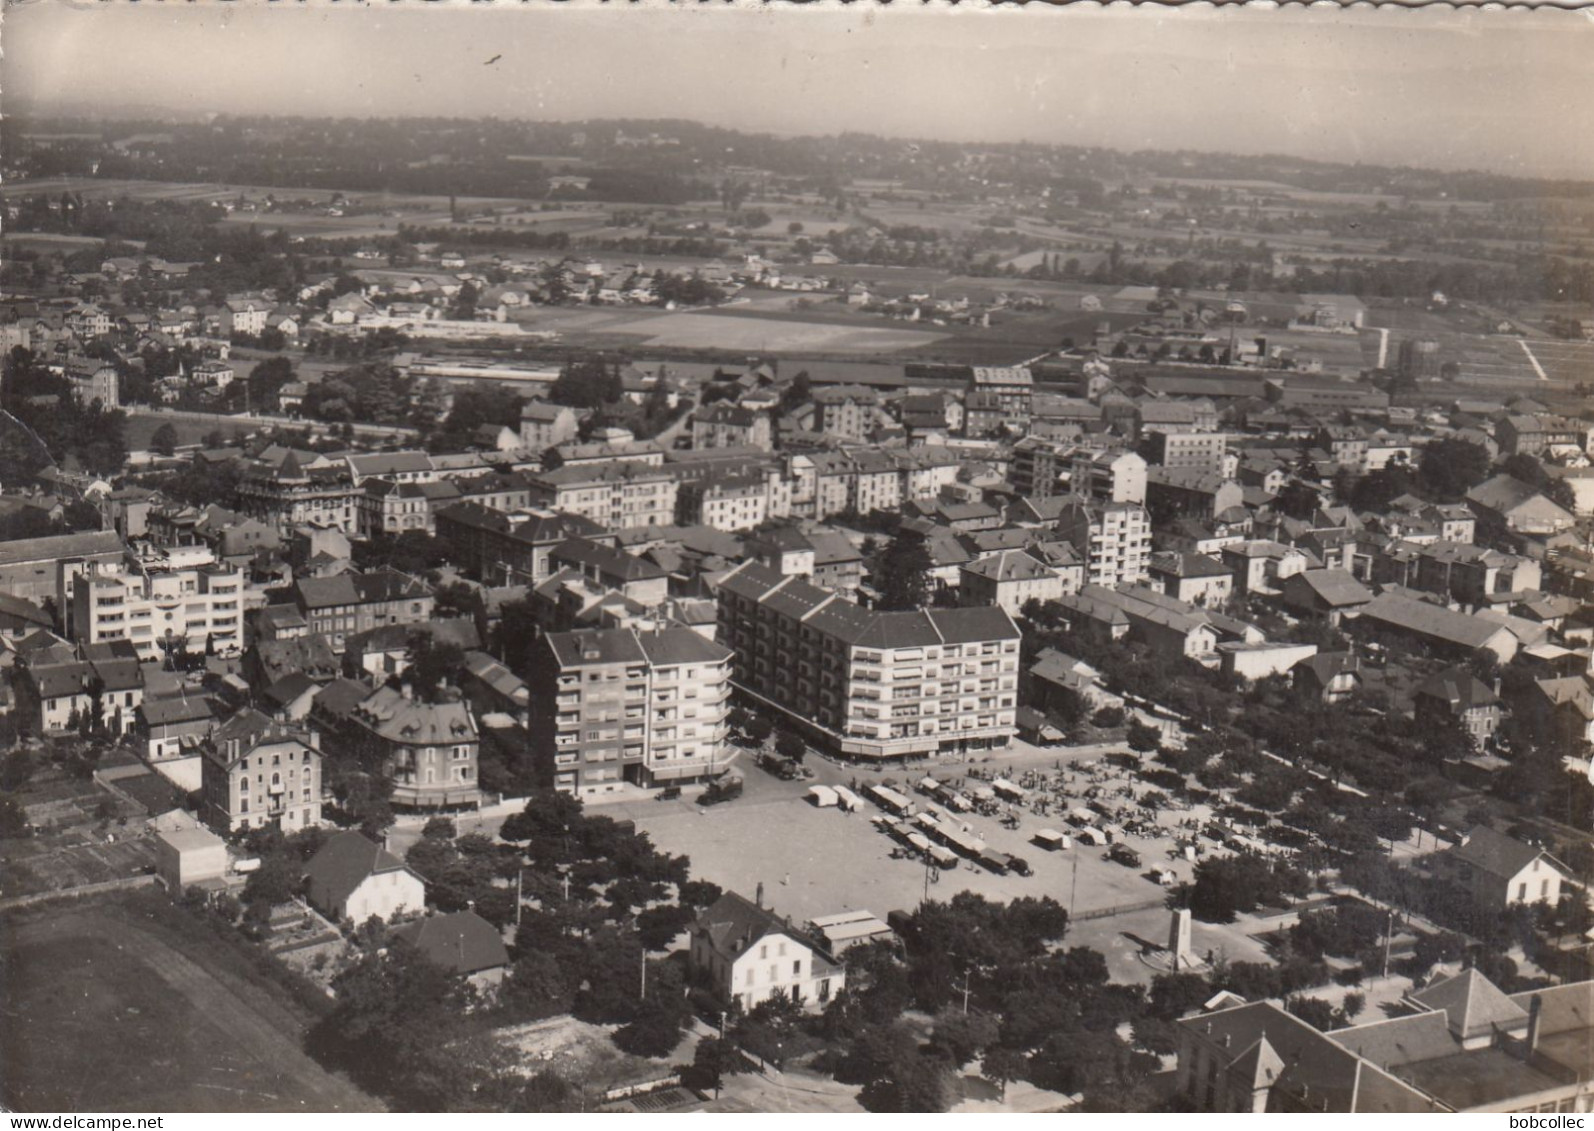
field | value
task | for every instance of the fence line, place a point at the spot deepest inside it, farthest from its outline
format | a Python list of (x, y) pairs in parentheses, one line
[(78, 892)]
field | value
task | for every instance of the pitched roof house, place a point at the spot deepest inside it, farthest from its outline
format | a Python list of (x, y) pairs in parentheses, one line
[(354, 878)]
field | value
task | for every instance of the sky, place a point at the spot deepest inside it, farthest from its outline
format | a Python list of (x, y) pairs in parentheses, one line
[(1510, 92)]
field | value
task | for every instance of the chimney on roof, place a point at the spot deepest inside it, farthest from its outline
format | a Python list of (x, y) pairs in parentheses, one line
[(1535, 1020), (758, 899)]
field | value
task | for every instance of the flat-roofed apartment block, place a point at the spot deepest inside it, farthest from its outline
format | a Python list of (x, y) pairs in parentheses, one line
[(639, 706), (158, 609), (867, 684)]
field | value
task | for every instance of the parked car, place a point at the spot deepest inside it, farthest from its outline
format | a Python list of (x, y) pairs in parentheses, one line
[(725, 789), (1123, 854), (669, 793)]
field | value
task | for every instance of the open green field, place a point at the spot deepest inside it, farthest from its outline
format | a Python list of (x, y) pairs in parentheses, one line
[(755, 333), (122, 1003), (142, 424)]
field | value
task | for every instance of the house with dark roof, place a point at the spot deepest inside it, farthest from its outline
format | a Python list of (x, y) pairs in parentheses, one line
[(748, 955), (175, 726), (1058, 684), (338, 607), (1330, 677), (1499, 870), (610, 568), (1460, 1044), (57, 692), (1446, 632), (1456, 696), (1199, 579), (501, 549), (463, 943), (1505, 503), (1010, 579), (1328, 594), (353, 879), (1557, 711), (271, 660)]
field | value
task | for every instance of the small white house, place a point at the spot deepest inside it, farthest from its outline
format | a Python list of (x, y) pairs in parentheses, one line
[(354, 878), (750, 955)]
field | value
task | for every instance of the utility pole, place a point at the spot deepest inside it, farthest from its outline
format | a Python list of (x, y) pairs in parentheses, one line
[(968, 982), (644, 993), (1073, 886), (1389, 938), (519, 874)]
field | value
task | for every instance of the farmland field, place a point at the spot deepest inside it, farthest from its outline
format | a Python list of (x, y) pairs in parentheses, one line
[(732, 332), (122, 1003)]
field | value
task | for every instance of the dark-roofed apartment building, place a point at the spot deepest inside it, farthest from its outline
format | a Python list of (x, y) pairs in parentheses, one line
[(504, 549), (1461, 1045), (430, 751), (621, 705), (338, 607), (869, 684), (257, 772)]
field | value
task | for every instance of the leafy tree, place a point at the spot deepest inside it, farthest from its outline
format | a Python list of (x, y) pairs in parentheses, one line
[(517, 636), (963, 1036), (1451, 467), (659, 926), (13, 817), (396, 1030), (1143, 737), (590, 383), (714, 1060), (1108, 718), (759, 729), (655, 1030), (789, 744), (164, 440), (276, 880), (699, 893), (433, 665), (1003, 1065), (902, 573), (1298, 500), (1226, 886), (15, 771), (1174, 995)]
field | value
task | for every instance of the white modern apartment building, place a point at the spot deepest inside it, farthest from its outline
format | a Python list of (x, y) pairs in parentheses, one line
[(1113, 538), (161, 607)]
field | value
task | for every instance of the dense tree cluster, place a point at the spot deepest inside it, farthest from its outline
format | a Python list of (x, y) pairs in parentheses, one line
[(48, 424)]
